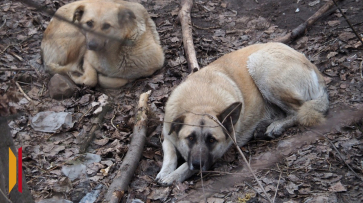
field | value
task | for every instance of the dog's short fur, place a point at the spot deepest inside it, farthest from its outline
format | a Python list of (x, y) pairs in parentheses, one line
[(117, 43), (257, 83)]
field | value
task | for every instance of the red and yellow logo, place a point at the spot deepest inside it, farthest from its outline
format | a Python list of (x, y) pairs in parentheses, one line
[(12, 170)]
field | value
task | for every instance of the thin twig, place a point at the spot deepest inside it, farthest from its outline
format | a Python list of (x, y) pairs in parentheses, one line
[(5, 196), (257, 192), (22, 91), (11, 52), (201, 174), (249, 166), (241, 153), (17, 69), (360, 68), (3, 23), (350, 25), (205, 28), (112, 122), (340, 155), (277, 188)]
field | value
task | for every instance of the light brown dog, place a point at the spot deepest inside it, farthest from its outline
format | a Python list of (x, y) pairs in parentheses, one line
[(231, 96), (115, 42)]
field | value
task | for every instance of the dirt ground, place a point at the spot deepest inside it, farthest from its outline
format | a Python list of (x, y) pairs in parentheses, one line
[(311, 170)]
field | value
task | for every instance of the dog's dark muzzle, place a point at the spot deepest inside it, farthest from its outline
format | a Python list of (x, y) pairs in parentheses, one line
[(199, 159)]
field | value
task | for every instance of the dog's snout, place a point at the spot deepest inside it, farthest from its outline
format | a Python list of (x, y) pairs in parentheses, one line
[(197, 164), (92, 45), (199, 158)]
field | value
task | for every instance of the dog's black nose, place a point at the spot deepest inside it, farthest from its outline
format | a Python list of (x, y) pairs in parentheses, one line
[(92, 45), (197, 164)]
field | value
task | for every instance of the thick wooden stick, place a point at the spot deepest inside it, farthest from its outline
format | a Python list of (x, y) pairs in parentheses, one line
[(186, 23), (302, 27), (120, 183)]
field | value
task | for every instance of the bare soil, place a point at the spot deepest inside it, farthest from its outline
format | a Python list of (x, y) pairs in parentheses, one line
[(310, 171)]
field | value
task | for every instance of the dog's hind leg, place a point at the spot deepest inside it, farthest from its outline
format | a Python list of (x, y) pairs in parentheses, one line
[(277, 127)]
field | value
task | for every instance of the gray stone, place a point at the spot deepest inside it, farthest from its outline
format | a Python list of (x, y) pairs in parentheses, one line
[(61, 87)]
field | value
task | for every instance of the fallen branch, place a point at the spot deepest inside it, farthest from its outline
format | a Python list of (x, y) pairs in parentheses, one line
[(186, 23), (22, 91), (96, 125), (302, 27), (120, 183), (11, 52), (350, 25), (339, 154)]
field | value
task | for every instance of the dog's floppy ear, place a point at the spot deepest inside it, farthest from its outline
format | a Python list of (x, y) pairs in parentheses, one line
[(232, 111), (78, 13), (177, 124), (125, 16)]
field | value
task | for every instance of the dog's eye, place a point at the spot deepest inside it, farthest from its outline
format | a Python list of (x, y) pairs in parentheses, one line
[(212, 140), (89, 23), (191, 138), (106, 26)]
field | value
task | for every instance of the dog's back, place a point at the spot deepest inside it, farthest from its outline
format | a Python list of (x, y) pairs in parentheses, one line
[(289, 80), (267, 76), (284, 77)]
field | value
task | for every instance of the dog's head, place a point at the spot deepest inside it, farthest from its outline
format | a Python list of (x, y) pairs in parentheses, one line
[(200, 139), (104, 22)]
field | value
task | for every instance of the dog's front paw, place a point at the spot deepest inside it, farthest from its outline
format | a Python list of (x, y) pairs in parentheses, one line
[(168, 179), (83, 79), (163, 174), (178, 175), (160, 175)]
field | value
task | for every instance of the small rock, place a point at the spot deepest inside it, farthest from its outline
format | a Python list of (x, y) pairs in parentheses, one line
[(61, 87)]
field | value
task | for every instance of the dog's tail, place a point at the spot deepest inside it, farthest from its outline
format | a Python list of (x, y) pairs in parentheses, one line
[(313, 112)]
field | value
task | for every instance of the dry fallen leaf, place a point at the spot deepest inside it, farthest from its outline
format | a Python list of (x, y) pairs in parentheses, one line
[(337, 187)]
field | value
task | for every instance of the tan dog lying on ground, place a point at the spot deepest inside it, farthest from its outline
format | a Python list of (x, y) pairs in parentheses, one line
[(257, 83), (117, 43)]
